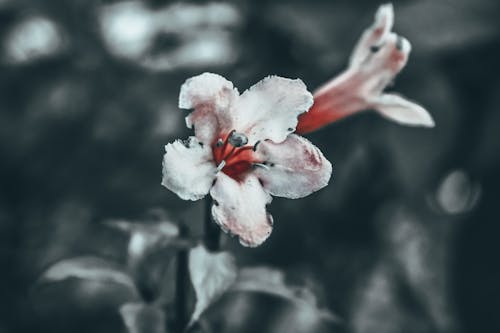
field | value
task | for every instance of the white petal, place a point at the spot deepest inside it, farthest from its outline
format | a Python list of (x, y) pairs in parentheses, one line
[(353, 90), (205, 88), (373, 36), (294, 168), (211, 97), (380, 68), (269, 109), (188, 169), (377, 58), (402, 111), (240, 208), (379, 55)]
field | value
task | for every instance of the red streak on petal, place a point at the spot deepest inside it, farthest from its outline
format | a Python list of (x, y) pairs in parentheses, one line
[(324, 111), (239, 160), (237, 169), (335, 100), (220, 151)]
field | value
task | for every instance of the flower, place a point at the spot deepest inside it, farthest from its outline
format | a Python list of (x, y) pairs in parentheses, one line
[(244, 151), (377, 58)]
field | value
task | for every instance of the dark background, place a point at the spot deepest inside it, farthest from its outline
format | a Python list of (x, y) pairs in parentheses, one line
[(405, 237)]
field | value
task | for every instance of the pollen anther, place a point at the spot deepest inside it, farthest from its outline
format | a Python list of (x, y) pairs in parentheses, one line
[(237, 139), (255, 145), (261, 165), (221, 165)]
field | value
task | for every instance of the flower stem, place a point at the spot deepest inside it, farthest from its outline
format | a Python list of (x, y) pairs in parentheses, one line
[(212, 231), (182, 284)]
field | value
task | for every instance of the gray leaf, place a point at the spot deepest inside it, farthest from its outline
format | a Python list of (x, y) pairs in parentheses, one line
[(272, 281), (143, 318), (87, 268), (211, 275)]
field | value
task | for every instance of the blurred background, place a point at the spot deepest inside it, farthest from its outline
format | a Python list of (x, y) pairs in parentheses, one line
[(404, 239)]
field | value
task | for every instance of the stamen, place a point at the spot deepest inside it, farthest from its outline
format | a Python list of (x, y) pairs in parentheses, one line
[(226, 141), (237, 139), (374, 48), (261, 165), (242, 149), (228, 155), (233, 155), (221, 166), (255, 145)]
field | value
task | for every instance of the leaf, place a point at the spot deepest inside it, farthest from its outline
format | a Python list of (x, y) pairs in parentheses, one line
[(272, 281), (211, 275), (163, 227), (143, 318), (153, 243), (86, 290), (87, 268), (148, 236)]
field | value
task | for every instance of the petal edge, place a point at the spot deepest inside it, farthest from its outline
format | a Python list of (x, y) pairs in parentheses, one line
[(402, 111), (294, 168), (188, 169), (240, 208), (269, 109)]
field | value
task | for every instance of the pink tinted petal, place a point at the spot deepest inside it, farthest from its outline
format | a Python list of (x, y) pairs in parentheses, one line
[(188, 169), (373, 36), (382, 66), (350, 91), (294, 168), (205, 123), (269, 109), (211, 96), (377, 58), (402, 111), (338, 99), (240, 208)]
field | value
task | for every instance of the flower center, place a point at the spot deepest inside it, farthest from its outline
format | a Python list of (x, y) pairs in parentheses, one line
[(233, 156)]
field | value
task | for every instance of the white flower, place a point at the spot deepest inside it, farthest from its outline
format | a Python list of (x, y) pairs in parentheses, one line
[(377, 58), (243, 151)]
